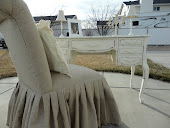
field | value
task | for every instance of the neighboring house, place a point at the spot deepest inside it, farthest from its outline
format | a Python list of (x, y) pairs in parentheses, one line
[(103, 29), (153, 19), (151, 13), (1, 36), (102, 23), (2, 41), (55, 25)]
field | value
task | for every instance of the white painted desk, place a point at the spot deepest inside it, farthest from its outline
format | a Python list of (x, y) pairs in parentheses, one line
[(127, 51)]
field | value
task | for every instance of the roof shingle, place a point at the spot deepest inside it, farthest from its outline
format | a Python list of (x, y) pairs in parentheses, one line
[(154, 2), (51, 18)]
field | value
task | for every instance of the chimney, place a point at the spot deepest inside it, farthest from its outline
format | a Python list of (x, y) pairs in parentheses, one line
[(146, 6)]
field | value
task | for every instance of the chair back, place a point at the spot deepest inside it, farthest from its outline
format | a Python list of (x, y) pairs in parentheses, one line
[(25, 45)]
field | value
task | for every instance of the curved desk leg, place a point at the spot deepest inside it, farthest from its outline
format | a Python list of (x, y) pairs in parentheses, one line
[(132, 75), (144, 81)]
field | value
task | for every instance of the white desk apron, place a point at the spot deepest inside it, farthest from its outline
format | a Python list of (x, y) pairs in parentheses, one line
[(127, 51)]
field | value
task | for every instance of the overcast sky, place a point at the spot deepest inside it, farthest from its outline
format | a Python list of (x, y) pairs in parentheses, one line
[(71, 7)]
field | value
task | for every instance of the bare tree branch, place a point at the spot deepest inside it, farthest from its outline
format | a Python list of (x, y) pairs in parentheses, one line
[(101, 13)]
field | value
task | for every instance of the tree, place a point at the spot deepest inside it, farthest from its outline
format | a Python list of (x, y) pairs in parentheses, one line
[(87, 28), (100, 14)]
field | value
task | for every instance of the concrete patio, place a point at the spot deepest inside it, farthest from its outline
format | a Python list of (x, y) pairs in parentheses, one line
[(154, 113), (160, 57)]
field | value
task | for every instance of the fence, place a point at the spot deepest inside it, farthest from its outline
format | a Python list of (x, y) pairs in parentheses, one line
[(158, 36)]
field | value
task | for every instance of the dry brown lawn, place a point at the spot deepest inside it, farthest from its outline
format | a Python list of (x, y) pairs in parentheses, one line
[(7, 68), (104, 63), (95, 62)]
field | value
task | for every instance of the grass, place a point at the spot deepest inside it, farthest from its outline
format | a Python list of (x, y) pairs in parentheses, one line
[(104, 63), (7, 68), (95, 62)]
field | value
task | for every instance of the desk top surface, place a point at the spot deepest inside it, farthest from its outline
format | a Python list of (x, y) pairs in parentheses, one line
[(104, 37)]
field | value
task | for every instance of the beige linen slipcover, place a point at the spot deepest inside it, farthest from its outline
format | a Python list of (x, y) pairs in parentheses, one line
[(44, 99)]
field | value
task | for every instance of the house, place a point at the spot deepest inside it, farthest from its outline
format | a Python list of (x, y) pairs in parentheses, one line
[(151, 13), (2, 41), (52, 18), (55, 25), (145, 6), (153, 19)]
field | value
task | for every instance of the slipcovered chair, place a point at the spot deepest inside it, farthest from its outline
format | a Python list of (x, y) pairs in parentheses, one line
[(44, 99)]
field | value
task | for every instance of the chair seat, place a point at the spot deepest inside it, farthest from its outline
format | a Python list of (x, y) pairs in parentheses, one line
[(79, 75), (82, 101)]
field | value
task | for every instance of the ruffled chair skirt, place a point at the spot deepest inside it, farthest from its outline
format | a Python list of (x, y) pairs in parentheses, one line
[(83, 101)]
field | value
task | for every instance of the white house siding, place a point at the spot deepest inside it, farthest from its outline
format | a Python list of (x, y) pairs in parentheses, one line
[(169, 21), (57, 29), (125, 31), (158, 36), (124, 10), (146, 6), (155, 37), (92, 31), (1, 36), (150, 20), (137, 9), (58, 25), (57, 32), (164, 8)]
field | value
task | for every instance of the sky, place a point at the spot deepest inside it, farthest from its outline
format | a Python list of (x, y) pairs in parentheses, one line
[(81, 8)]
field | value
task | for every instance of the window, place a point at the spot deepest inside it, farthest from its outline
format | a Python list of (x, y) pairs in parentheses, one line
[(135, 23), (156, 8)]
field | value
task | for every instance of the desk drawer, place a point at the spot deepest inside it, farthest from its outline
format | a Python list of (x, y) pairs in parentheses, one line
[(129, 61), (132, 51), (130, 42), (92, 45)]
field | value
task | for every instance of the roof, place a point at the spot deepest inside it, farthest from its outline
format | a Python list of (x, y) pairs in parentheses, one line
[(161, 1), (51, 18), (154, 2), (131, 2)]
